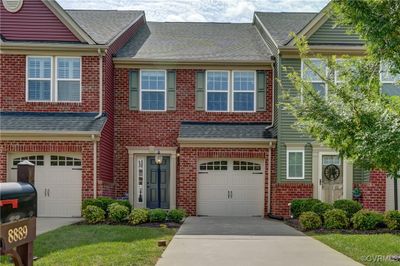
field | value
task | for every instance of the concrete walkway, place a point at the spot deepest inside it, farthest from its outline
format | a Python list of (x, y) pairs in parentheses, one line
[(44, 225), (246, 241)]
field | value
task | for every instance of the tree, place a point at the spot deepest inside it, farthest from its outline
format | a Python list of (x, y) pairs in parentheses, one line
[(355, 118)]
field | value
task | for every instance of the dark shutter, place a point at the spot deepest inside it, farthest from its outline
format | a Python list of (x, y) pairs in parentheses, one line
[(261, 91), (200, 90), (134, 90), (171, 90)]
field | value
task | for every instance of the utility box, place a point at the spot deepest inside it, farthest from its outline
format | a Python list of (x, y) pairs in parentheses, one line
[(26, 172)]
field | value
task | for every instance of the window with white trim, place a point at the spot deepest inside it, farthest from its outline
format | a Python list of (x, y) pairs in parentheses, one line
[(390, 82), (153, 90), (53, 79), (295, 164), (316, 81), (39, 74), (244, 87), (68, 79), (217, 87)]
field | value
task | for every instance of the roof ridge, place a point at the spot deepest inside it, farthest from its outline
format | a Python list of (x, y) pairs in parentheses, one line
[(200, 22), (119, 10)]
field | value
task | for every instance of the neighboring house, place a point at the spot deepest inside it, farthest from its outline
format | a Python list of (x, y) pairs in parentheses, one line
[(301, 161), (94, 98), (56, 98)]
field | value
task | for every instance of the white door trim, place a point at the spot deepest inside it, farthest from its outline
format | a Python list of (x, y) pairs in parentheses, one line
[(345, 165), (136, 153)]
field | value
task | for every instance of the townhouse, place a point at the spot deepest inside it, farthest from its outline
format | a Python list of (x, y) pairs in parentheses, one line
[(167, 115)]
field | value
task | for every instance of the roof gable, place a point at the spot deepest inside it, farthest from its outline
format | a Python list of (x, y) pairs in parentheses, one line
[(35, 21), (104, 25)]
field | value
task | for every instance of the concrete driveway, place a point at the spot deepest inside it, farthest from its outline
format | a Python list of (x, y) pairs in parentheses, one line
[(44, 224), (246, 241)]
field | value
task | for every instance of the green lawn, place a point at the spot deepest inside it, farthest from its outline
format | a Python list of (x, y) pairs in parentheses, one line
[(100, 245), (366, 249)]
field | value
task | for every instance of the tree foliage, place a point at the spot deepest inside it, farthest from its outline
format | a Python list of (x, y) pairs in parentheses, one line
[(355, 118)]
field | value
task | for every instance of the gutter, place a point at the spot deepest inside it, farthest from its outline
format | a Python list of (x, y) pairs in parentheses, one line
[(94, 166)]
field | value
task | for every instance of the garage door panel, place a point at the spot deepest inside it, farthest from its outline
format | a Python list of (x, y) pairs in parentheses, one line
[(58, 181), (242, 180)]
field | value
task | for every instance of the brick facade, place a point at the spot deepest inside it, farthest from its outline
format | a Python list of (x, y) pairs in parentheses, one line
[(161, 129), (284, 193), (374, 192)]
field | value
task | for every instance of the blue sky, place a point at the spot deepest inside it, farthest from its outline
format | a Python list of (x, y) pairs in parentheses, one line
[(199, 10)]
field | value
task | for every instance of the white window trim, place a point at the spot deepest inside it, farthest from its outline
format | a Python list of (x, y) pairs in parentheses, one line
[(254, 91), (314, 81), (287, 164), (227, 91), (57, 79), (53, 79), (141, 91), (27, 79), (339, 60)]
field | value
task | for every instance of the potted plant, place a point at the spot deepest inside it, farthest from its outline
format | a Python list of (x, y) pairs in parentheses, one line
[(357, 193)]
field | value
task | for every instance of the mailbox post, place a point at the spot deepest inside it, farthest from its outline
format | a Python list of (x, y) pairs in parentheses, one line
[(18, 211)]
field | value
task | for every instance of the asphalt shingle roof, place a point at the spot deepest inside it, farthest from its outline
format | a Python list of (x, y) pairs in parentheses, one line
[(103, 25), (281, 24), (64, 122), (225, 130), (191, 41)]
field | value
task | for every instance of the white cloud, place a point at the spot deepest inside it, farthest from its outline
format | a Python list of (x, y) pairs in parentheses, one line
[(199, 10)]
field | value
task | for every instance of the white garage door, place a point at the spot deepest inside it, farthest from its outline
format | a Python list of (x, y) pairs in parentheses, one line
[(231, 187), (390, 193), (58, 181)]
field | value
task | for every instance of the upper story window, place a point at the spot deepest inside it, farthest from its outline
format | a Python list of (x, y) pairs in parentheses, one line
[(153, 90), (390, 82), (217, 91), (53, 79), (224, 96), (68, 79), (316, 81), (244, 87), (295, 164), (39, 78)]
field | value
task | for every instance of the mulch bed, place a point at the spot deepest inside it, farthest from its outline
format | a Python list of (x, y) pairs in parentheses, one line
[(295, 224), (151, 225)]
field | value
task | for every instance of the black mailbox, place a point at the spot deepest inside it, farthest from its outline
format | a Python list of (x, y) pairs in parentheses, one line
[(17, 201)]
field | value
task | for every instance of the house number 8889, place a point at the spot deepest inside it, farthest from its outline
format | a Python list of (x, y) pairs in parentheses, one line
[(17, 234)]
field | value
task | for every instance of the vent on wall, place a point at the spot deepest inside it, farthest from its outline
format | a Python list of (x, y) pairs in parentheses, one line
[(12, 5)]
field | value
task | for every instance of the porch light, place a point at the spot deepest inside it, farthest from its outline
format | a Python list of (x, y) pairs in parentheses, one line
[(158, 158)]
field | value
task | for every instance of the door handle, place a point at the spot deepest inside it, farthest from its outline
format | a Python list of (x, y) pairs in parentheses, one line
[(231, 193), (45, 192), (228, 194), (48, 192)]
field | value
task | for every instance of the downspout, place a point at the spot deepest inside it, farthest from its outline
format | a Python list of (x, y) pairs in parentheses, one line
[(269, 179), (94, 166), (100, 84), (270, 144)]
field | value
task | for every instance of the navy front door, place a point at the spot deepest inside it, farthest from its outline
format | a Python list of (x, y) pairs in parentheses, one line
[(152, 183)]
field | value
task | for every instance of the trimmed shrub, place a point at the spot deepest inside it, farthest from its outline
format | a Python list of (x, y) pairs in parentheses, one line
[(349, 206), (101, 202), (310, 221), (366, 220), (89, 202), (299, 206), (125, 203), (94, 214), (336, 219), (139, 216), (176, 215), (157, 215), (321, 208), (392, 220), (117, 212)]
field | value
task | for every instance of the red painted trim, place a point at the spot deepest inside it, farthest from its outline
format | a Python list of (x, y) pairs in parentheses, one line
[(13, 202)]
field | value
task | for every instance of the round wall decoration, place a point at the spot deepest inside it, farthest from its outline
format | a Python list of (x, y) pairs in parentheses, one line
[(332, 172), (12, 6)]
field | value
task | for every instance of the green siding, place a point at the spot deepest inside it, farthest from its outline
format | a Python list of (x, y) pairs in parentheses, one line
[(328, 33), (286, 133)]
